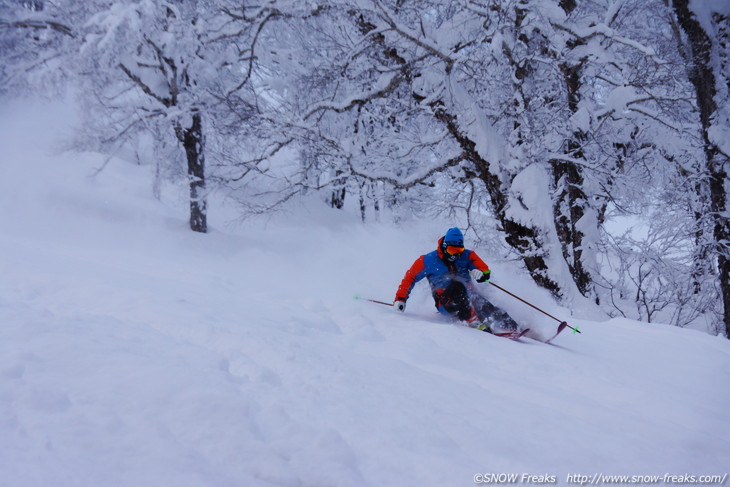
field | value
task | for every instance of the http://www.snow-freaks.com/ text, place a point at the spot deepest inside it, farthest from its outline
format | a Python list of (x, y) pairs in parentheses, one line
[(600, 479)]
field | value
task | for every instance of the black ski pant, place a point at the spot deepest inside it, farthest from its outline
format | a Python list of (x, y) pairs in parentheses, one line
[(455, 300)]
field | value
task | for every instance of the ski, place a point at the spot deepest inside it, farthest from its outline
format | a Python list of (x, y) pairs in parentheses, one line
[(562, 326), (512, 335)]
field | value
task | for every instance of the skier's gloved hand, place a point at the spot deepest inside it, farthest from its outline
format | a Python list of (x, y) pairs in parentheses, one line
[(481, 276), (400, 304)]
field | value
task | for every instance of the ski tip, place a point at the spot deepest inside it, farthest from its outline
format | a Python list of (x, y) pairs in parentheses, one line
[(565, 324)]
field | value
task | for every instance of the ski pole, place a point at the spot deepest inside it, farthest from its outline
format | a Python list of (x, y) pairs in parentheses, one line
[(373, 300), (575, 330)]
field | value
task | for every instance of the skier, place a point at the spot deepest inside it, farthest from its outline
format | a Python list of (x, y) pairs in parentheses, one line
[(449, 270)]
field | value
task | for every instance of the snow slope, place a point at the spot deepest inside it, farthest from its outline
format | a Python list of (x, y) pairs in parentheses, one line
[(134, 352)]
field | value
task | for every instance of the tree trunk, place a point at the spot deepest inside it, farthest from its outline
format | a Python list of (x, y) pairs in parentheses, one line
[(704, 79), (569, 200), (337, 197), (194, 144), (569, 208)]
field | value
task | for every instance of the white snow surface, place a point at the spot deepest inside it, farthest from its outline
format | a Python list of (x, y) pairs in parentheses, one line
[(134, 352)]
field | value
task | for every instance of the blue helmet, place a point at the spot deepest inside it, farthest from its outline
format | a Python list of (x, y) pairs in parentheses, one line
[(454, 237)]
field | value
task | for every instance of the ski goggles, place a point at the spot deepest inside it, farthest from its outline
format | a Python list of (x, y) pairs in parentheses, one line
[(454, 250)]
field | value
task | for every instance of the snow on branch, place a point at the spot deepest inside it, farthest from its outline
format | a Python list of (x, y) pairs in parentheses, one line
[(394, 80), (270, 152), (605, 31), (291, 188), (625, 98), (406, 33), (168, 102), (38, 24), (251, 49), (613, 11), (261, 15), (260, 12), (653, 115), (414, 179)]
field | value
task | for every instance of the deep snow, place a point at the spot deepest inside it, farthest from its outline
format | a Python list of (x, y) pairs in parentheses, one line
[(134, 352)]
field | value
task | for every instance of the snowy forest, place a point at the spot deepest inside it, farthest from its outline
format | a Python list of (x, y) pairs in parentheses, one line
[(587, 139)]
